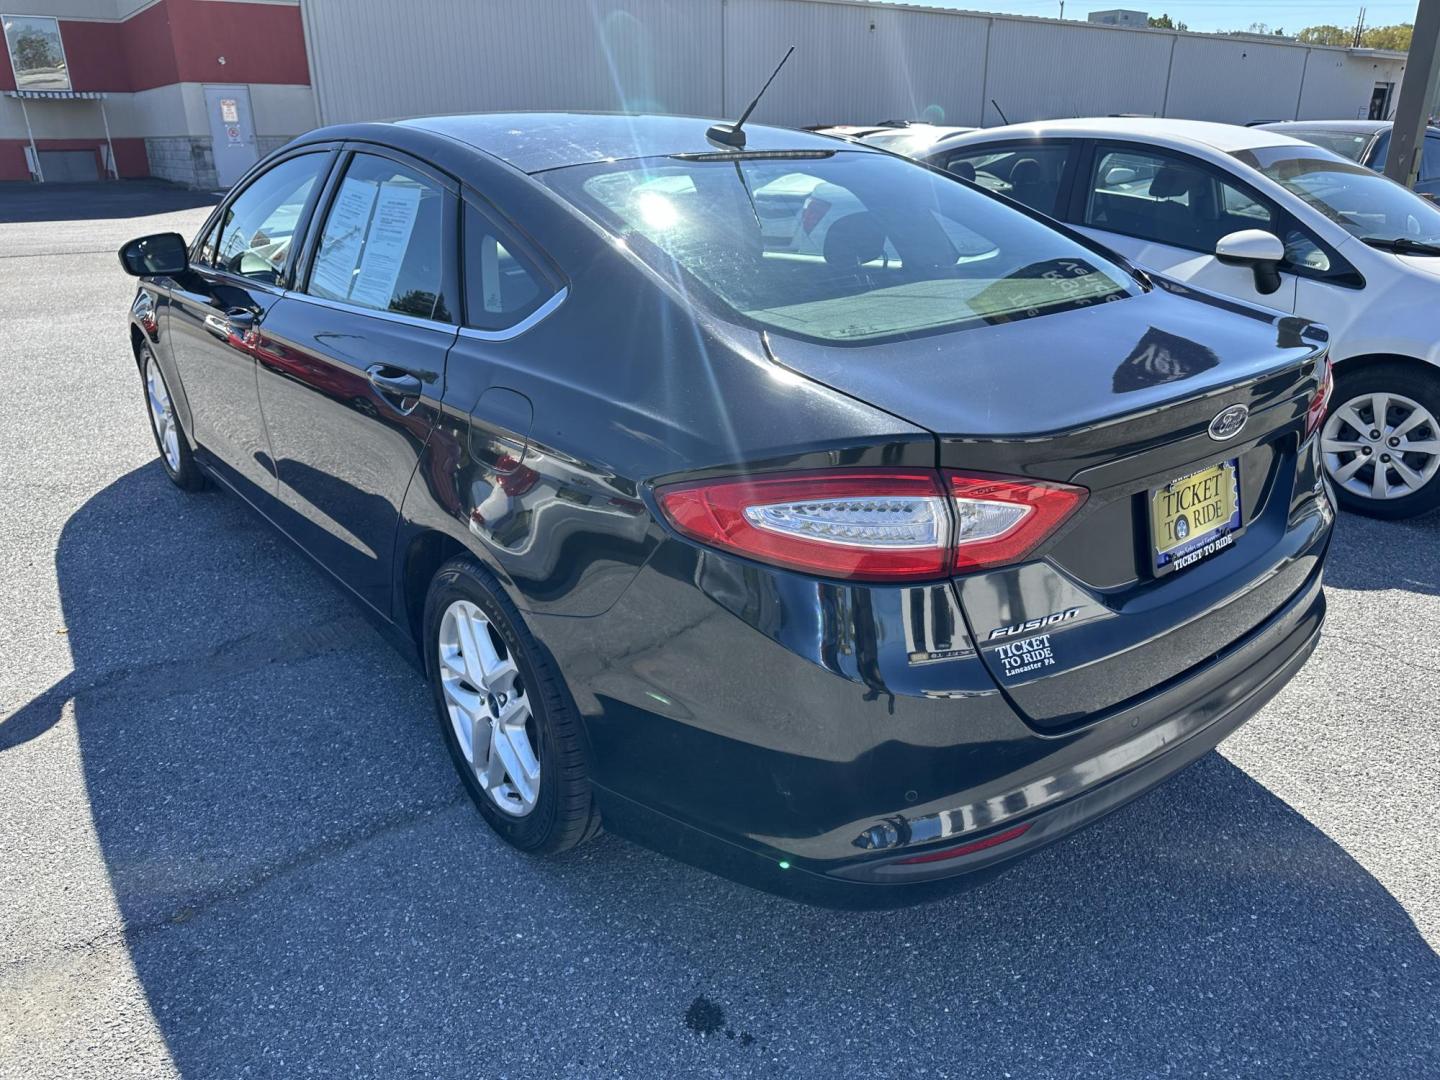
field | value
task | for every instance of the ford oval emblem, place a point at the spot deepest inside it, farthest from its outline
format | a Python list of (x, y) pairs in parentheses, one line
[(1229, 422)]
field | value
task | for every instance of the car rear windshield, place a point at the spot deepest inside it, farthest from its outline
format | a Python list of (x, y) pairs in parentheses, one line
[(840, 246), (1367, 204), (1348, 144)]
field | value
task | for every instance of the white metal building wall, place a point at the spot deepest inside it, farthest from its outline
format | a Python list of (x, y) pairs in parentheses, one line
[(1236, 79), (855, 63), (375, 60), (1046, 70), (1337, 83)]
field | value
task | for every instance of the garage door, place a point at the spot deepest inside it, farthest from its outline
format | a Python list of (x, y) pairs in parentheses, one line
[(63, 165)]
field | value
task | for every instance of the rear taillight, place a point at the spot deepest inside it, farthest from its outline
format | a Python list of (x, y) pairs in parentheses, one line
[(1315, 414), (871, 525), (1002, 521)]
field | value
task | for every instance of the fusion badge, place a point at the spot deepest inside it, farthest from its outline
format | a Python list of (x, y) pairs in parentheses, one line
[(1031, 625)]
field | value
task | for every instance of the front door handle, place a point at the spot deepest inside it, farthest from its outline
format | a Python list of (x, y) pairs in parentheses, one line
[(235, 322), (396, 385)]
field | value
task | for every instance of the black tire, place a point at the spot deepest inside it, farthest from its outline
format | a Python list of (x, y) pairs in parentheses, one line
[(185, 473), (564, 814), (1419, 384)]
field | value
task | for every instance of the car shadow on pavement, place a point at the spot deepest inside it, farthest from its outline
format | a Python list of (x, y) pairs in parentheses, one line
[(306, 890), (1374, 554)]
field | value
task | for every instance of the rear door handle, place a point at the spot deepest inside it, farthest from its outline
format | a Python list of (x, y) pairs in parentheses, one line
[(396, 385)]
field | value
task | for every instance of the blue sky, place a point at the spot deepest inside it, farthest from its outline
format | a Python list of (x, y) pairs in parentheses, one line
[(1292, 15)]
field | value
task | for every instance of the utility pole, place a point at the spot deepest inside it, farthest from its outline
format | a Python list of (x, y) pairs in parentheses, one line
[(1417, 95)]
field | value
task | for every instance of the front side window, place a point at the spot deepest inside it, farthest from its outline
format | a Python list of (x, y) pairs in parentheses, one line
[(840, 246), (1366, 204), (256, 232), (1170, 200), (1030, 175), (382, 245)]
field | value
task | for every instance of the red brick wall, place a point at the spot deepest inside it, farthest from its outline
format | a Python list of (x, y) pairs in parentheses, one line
[(182, 41), (130, 157)]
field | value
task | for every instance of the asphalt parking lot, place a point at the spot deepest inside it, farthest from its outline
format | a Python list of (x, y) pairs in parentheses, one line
[(231, 843)]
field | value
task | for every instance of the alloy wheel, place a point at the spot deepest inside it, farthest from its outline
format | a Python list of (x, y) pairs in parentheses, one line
[(162, 414), (488, 708), (1381, 446)]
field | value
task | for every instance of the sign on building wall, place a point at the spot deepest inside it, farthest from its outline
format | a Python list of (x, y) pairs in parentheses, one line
[(37, 55)]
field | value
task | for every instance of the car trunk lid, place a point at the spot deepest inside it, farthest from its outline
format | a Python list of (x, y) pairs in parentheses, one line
[(1118, 399)]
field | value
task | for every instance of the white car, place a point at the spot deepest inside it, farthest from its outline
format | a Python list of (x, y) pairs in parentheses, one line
[(912, 138), (1260, 216)]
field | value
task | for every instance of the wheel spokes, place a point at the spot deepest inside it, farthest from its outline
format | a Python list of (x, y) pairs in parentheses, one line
[(489, 711), (1412, 478), (1379, 484), (1350, 468), (1340, 446), (511, 745), (466, 629), (1351, 418), (1379, 406), (1410, 423), (1424, 446)]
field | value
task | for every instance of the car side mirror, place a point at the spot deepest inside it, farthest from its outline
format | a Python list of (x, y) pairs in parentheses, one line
[(1120, 175), (1260, 250), (163, 253)]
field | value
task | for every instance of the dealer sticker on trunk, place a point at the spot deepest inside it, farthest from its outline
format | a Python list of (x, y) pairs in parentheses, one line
[(1022, 657)]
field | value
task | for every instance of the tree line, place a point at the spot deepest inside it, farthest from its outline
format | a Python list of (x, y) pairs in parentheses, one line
[(1395, 37)]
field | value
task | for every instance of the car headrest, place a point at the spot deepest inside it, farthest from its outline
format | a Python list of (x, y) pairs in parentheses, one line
[(963, 169), (1171, 181), (854, 240), (1026, 171)]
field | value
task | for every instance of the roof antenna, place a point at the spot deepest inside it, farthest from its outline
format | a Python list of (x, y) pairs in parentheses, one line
[(734, 134)]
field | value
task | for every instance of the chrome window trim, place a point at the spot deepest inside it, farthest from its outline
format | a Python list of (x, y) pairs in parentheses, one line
[(539, 315), (374, 313)]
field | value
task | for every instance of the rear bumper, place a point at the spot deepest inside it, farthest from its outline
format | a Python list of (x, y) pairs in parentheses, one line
[(1208, 706), (1197, 713)]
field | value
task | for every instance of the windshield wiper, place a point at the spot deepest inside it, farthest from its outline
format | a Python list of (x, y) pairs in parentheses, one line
[(1402, 245)]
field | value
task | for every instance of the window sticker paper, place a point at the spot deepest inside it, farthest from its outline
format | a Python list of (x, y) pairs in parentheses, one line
[(396, 208), (335, 262)]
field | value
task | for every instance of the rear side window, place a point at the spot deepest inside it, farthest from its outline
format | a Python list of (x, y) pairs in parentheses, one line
[(1170, 200), (1030, 175), (501, 286), (256, 233), (382, 245)]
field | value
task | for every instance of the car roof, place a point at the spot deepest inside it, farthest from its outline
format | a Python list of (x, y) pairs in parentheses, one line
[(1223, 137), (1328, 125), (537, 141)]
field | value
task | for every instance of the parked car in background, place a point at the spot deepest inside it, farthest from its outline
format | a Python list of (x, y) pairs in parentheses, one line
[(1268, 219), (909, 137), (831, 570), (1366, 142)]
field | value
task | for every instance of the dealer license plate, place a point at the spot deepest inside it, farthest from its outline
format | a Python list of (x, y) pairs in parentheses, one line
[(1195, 516)]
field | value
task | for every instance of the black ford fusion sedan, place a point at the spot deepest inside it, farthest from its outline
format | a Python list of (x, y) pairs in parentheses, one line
[(795, 509)]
